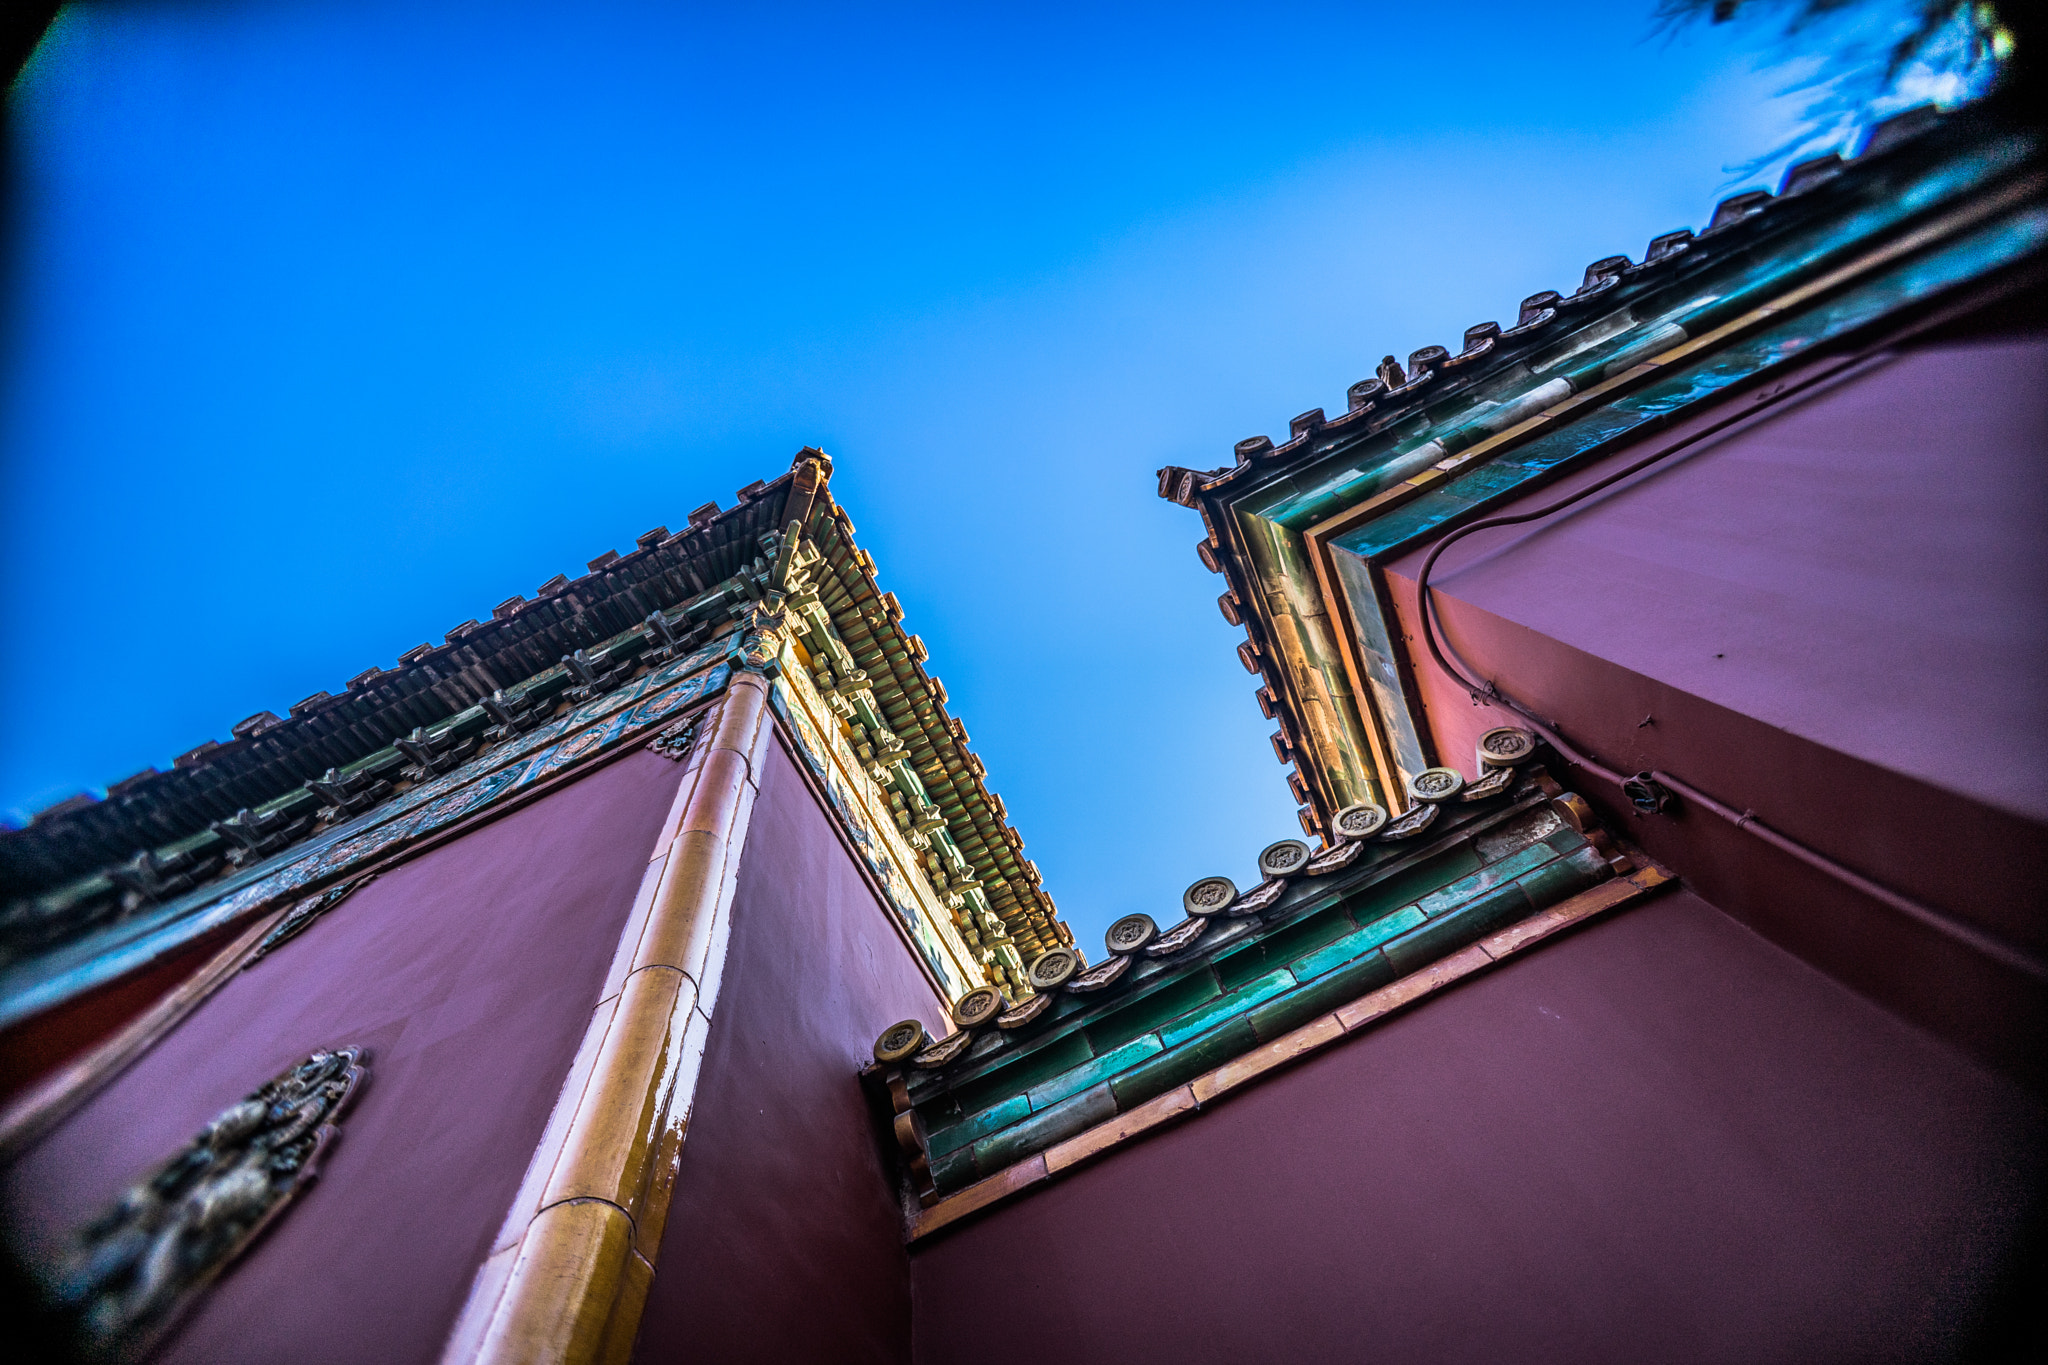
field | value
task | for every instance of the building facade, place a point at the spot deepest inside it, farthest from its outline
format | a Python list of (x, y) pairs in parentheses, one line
[(649, 973)]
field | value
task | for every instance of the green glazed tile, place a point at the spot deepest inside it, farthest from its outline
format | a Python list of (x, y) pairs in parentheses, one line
[(1382, 899), (977, 1125), (1019, 1074), (1043, 1129), (1565, 839), (1282, 945), (1449, 932), (1184, 1063), (1486, 878), (1050, 1092), (1238, 1001), (1565, 877), (955, 1169), (1357, 942), (1148, 1012), (1325, 993)]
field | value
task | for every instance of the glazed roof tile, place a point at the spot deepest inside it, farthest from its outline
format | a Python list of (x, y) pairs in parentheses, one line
[(59, 873)]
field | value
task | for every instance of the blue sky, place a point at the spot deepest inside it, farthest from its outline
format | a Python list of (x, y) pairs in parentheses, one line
[(333, 324)]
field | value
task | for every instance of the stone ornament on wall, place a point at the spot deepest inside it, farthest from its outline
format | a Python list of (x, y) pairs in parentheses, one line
[(674, 742), (134, 1269), (301, 916)]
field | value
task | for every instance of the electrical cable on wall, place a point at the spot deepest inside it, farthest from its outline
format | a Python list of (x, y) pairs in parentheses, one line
[(1650, 792)]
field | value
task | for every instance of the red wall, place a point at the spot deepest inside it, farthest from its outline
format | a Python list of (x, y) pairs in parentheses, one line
[(785, 1241), (1866, 570), (1659, 1139), (1832, 618), (470, 973)]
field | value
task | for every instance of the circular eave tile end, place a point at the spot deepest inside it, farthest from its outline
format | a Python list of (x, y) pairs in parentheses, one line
[(1053, 968), (900, 1041), (1209, 896), (1505, 746), (1285, 858), (1361, 821), (978, 1006), (1436, 784), (1130, 934)]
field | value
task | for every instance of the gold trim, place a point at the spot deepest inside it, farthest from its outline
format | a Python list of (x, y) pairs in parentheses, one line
[(568, 1277)]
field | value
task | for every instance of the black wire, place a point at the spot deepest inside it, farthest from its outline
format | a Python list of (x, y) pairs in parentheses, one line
[(1746, 820)]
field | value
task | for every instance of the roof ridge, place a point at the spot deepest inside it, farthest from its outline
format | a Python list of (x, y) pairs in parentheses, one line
[(1396, 390)]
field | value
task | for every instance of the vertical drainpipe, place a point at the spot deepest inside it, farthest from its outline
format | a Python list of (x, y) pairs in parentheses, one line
[(567, 1276)]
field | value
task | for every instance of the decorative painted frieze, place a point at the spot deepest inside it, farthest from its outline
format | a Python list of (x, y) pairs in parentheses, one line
[(864, 810), (778, 568), (503, 773)]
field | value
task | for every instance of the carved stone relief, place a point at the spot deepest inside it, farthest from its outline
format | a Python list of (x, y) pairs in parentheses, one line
[(134, 1269)]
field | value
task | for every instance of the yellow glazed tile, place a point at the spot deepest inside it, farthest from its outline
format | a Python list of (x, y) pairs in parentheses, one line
[(563, 1287), (617, 1126), (678, 932)]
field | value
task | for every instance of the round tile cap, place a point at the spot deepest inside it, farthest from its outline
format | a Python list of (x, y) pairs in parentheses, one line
[(1361, 821), (1505, 746), (1285, 858), (1209, 896), (1131, 933), (978, 1006), (899, 1041), (1051, 969), (1436, 784)]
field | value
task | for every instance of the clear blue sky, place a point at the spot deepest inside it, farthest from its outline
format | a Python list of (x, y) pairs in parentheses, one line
[(334, 324)]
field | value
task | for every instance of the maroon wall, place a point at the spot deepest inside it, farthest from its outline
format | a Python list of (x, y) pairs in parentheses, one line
[(470, 973), (784, 1240), (1865, 570), (1659, 1139), (1831, 617)]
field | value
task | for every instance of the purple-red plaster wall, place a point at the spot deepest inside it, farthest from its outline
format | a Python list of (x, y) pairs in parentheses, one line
[(470, 973), (1658, 1139), (785, 1240), (1831, 617), (1865, 570)]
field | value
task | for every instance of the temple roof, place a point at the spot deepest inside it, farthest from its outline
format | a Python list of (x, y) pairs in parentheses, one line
[(1328, 943), (1929, 203), (92, 860)]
